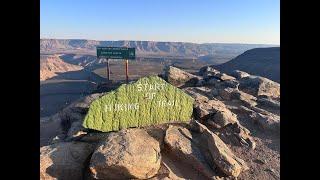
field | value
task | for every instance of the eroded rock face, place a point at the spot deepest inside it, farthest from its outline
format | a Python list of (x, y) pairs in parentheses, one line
[(127, 154), (178, 77), (180, 143), (257, 86), (149, 101), (65, 160), (222, 156)]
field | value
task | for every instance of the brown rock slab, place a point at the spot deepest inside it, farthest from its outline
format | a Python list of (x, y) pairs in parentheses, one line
[(239, 74), (259, 86), (235, 134), (222, 156), (179, 142), (178, 77), (215, 112), (127, 154), (233, 94)]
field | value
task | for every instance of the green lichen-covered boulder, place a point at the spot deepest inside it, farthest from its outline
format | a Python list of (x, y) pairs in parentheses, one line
[(148, 101)]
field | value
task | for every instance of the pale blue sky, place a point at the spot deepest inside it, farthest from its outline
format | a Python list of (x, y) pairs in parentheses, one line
[(199, 21)]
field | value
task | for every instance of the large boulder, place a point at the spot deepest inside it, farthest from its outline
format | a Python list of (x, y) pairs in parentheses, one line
[(228, 84), (222, 156), (127, 154), (178, 77), (158, 132), (195, 92), (258, 86), (239, 74), (269, 104), (215, 83), (211, 111), (215, 113), (148, 101), (225, 77), (233, 94), (236, 134), (209, 72), (66, 160), (180, 143), (267, 121), (165, 173), (264, 119)]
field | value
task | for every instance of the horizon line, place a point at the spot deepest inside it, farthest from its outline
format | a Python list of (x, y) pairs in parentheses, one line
[(164, 41)]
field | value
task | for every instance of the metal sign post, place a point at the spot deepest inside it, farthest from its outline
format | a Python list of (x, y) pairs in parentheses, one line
[(125, 53), (127, 72), (108, 70)]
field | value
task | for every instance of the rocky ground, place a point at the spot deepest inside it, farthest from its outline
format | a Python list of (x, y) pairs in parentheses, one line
[(234, 134)]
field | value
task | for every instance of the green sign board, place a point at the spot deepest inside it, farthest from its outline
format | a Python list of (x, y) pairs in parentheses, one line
[(116, 52)]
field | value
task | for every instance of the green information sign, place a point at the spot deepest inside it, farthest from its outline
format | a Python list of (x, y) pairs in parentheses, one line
[(116, 52)]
